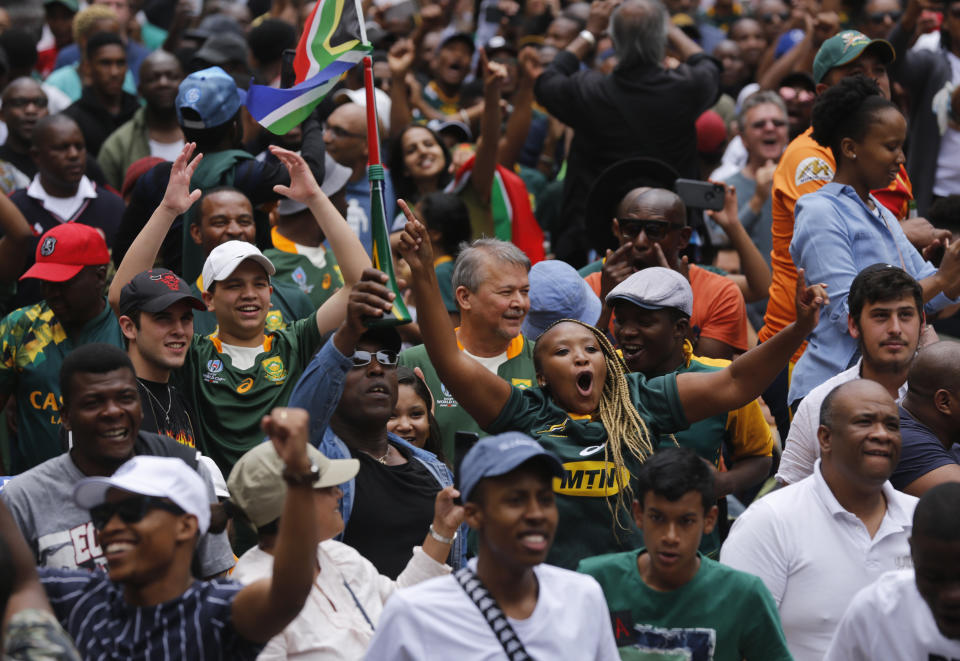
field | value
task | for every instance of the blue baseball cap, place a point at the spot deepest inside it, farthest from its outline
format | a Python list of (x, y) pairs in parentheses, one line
[(558, 292), (500, 454), (212, 94)]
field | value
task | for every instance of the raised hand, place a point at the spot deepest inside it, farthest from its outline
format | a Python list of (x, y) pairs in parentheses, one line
[(616, 269), (494, 73), (681, 266), (809, 301), (530, 65), (178, 197), (729, 214), (400, 57), (288, 430), (415, 242), (447, 516), (949, 271), (303, 186)]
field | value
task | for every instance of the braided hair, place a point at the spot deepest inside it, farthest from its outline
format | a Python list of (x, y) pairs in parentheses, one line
[(619, 416)]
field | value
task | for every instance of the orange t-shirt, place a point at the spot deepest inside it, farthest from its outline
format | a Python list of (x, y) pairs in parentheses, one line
[(805, 167), (719, 311)]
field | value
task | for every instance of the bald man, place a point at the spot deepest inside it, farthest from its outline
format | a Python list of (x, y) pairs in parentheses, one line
[(650, 225), (153, 130), (816, 543), (345, 137), (930, 421)]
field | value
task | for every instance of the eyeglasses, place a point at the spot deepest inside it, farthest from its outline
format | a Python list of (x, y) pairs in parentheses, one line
[(761, 123), (769, 18), (655, 230), (385, 358), (879, 17), (791, 93), (130, 510), (23, 102), (341, 132)]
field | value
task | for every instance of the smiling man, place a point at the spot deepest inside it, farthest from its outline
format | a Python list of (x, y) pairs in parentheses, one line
[(668, 596), (102, 416), (506, 596), (816, 543)]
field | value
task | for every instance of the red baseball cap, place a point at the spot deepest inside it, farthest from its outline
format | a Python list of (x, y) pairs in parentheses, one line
[(65, 250)]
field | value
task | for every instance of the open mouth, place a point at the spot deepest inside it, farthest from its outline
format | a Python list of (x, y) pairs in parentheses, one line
[(378, 390), (534, 541), (631, 351), (667, 557), (584, 383)]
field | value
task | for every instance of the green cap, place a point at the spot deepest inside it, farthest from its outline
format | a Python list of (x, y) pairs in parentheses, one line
[(69, 4), (844, 48)]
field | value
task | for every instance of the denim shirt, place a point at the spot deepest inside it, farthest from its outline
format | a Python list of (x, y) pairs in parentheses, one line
[(318, 391), (835, 237)]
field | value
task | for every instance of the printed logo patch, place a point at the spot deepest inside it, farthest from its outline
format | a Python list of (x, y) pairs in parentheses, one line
[(275, 321), (300, 277), (274, 370), (813, 168), (169, 279), (192, 95), (523, 384), (214, 367), (48, 246), (326, 282), (594, 479)]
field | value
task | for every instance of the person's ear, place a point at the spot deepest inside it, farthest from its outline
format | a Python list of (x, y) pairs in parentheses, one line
[(637, 510), (853, 328), (187, 528), (942, 401), (208, 299), (820, 88), (615, 227), (195, 233), (127, 327), (848, 147), (473, 515), (710, 520), (685, 233), (681, 328), (823, 437), (462, 295)]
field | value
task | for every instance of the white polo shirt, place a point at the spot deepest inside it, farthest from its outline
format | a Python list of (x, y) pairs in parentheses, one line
[(814, 556), (890, 620), (802, 448)]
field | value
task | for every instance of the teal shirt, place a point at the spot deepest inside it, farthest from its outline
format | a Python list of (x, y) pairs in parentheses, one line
[(721, 615), (67, 80)]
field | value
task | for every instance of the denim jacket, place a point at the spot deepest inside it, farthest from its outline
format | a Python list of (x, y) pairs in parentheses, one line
[(318, 391)]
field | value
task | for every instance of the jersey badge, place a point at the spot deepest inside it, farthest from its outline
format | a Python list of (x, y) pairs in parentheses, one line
[(813, 168), (275, 321), (214, 367), (274, 370), (523, 384), (300, 277)]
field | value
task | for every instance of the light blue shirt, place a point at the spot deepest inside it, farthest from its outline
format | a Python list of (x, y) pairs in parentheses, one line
[(835, 237)]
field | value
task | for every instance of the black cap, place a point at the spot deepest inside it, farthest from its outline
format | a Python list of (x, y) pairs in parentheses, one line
[(458, 36), (156, 290)]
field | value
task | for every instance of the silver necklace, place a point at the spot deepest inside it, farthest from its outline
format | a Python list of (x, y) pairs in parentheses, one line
[(154, 398)]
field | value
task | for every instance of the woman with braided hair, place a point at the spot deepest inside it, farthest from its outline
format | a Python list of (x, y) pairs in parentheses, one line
[(601, 421)]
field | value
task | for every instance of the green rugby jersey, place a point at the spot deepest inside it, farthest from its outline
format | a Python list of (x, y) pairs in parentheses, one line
[(34, 346), (518, 371), (588, 488), (230, 402), (287, 304), (296, 270)]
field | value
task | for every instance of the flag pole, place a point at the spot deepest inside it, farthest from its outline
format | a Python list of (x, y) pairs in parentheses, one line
[(382, 254)]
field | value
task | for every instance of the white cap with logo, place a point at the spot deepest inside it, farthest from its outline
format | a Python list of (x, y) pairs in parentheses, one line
[(225, 258)]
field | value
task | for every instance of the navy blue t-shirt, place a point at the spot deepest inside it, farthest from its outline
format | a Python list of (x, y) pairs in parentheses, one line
[(921, 452), (196, 625)]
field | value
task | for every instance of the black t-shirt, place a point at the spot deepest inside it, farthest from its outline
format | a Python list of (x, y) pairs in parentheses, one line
[(166, 412), (392, 511)]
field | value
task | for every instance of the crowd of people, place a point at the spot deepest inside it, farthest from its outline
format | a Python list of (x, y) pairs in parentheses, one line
[(680, 381)]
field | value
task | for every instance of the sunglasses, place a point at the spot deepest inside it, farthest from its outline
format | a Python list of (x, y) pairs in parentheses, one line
[(879, 17), (791, 93), (130, 510), (385, 358), (341, 132), (655, 230), (23, 102), (761, 123), (769, 18)]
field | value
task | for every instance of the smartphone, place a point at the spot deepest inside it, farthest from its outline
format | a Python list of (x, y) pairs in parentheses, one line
[(462, 442), (287, 75), (700, 194)]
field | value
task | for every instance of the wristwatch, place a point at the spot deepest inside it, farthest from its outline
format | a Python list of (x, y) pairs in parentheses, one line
[(587, 36), (301, 479)]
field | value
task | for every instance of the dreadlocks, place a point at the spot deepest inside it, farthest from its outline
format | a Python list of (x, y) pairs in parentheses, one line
[(619, 416)]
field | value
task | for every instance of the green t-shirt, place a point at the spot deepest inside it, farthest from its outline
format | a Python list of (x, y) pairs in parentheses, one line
[(518, 371), (230, 402), (444, 270), (592, 267), (587, 491), (296, 270), (34, 346), (287, 304), (721, 615)]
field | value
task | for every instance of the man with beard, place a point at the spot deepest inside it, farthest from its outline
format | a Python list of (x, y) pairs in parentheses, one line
[(816, 543), (886, 318), (153, 130)]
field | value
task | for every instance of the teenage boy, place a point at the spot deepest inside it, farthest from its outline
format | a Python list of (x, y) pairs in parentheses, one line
[(668, 598), (243, 369), (506, 597)]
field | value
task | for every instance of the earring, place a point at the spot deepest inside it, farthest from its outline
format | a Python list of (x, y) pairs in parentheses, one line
[(853, 156)]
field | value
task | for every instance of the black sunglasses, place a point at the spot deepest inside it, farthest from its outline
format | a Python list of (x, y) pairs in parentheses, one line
[(23, 102), (384, 357), (655, 230), (130, 510), (769, 18), (879, 16)]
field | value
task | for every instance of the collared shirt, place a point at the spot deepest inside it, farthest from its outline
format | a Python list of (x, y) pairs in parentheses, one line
[(64, 209), (802, 447), (836, 236), (814, 555)]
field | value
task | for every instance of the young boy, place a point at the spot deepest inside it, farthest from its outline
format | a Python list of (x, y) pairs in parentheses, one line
[(668, 597)]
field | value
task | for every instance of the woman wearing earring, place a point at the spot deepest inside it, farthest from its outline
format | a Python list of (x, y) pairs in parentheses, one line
[(842, 228)]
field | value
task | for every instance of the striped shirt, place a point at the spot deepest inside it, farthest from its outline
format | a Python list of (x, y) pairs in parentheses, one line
[(195, 626)]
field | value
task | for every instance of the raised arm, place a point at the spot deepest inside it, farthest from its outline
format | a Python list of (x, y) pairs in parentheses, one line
[(756, 273), (177, 200), (400, 59), (485, 165), (518, 124), (263, 609), (479, 391), (25, 590), (347, 249), (706, 394), (16, 242)]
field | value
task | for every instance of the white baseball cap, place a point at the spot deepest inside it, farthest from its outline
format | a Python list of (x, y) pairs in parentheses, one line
[(160, 477), (381, 98), (216, 476), (225, 258)]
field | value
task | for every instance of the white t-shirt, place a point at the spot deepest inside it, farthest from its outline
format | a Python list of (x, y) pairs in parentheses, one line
[(331, 626), (437, 620), (890, 620), (814, 556), (802, 448), (492, 363), (168, 151)]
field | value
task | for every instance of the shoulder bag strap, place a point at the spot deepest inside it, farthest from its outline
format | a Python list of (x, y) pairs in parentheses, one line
[(491, 612)]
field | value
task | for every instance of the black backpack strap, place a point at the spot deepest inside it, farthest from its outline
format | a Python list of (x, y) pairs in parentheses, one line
[(491, 612)]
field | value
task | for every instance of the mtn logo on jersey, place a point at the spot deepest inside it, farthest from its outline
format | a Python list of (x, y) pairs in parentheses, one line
[(214, 367), (274, 370), (593, 479)]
